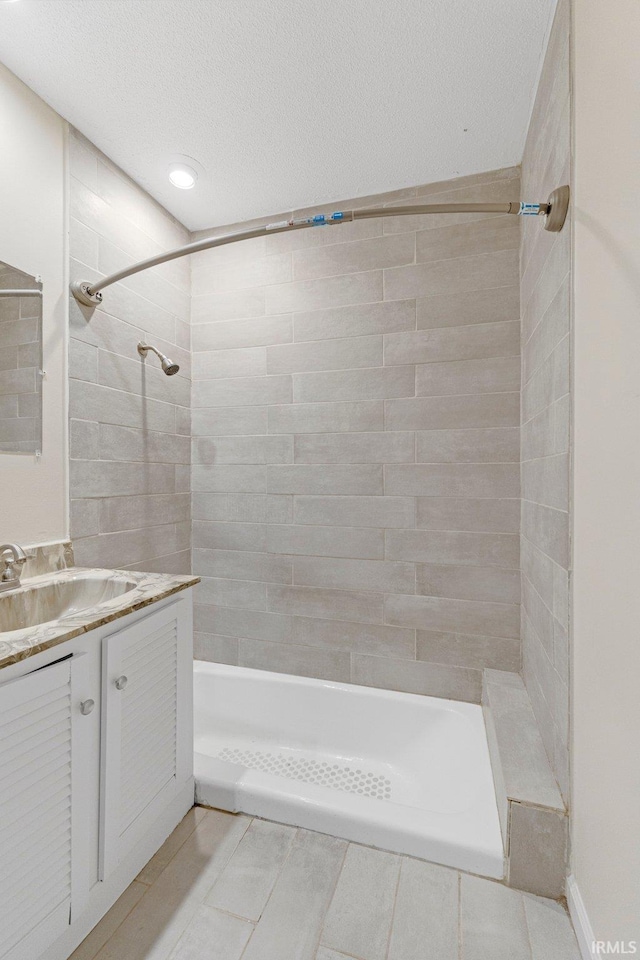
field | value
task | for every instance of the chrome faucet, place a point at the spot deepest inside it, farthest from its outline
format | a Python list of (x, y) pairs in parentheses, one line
[(12, 561)]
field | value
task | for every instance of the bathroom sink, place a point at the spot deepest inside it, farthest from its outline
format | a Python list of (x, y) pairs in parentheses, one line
[(52, 599)]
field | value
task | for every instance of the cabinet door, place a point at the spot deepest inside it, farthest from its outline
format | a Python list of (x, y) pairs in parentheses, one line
[(42, 820), (147, 746)]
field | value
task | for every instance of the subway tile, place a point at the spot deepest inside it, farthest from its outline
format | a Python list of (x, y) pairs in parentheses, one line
[(391, 447), (130, 548), (290, 658), (242, 565), (332, 479), (209, 478), (229, 421), (359, 511), (493, 480), (231, 334), (17, 381), (468, 650), (292, 920), (243, 449), (101, 478), (344, 354), (306, 295), (466, 239), (326, 417), (249, 271), (236, 305), (546, 481), (133, 512), (84, 440), (497, 375), (468, 582), (408, 676), (238, 594), (358, 921), (474, 342), (225, 364), (84, 518), (245, 884), (350, 574), (492, 921), (356, 320), (215, 649), (356, 256), (325, 541), (375, 383), (464, 274), (127, 443), (353, 605), (368, 638), (453, 412), (241, 391), (495, 445), (230, 536), (426, 912), (451, 616), (243, 624), (548, 529), (243, 507), (139, 377), (453, 546)]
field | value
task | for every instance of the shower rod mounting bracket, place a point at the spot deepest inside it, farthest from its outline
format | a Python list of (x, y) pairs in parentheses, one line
[(554, 211)]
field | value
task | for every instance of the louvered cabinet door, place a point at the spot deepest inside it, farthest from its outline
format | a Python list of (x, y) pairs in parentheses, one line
[(147, 745), (41, 817)]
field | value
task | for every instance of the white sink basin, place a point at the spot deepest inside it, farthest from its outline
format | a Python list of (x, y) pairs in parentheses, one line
[(51, 600)]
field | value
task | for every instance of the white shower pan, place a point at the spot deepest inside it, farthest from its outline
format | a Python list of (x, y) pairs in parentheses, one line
[(405, 773)]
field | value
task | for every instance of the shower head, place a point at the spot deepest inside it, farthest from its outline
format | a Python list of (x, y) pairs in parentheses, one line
[(168, 366)]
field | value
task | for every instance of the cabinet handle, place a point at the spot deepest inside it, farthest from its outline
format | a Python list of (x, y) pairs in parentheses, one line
[(86, 707), (121, 682)]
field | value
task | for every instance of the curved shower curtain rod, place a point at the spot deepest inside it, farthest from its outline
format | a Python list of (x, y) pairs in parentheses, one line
[(554, 210)]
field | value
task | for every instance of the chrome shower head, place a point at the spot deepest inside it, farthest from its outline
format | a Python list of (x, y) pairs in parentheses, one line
[(168, 366)]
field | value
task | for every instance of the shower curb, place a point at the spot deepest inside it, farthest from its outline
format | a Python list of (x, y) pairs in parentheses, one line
[(533, 816)]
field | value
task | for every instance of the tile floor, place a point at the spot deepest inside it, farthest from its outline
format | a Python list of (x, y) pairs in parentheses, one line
[(225, 887)]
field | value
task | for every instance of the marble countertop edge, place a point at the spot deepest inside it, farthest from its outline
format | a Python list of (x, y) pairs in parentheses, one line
[(19, 645)]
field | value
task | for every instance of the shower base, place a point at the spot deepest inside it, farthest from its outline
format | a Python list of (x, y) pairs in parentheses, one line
[(405, 773)]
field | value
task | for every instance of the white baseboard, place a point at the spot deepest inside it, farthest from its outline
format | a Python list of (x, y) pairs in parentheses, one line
[(580, 920)]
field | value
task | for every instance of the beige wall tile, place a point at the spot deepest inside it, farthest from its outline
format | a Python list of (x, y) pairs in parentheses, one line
[(332, 479), (392, 447), (346, 354), (492, 375), (357, 511), (339, 259), (473, 342), (325, 541), (467, 616), (489, 516), (479, 272), (495, 445), (456, 308), (455, 412), (353, 605), (428, 679), (468, 650), (494, 480), (328, 292), (373, 639), (326, 417), (453, 546), (375, 383), (355, 321), (468, 582), (382, 576), (291, 658)]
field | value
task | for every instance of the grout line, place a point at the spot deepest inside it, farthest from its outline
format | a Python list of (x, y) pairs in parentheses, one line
[(395, 904)]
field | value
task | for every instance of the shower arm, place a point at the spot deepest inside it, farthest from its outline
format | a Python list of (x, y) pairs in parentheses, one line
[(89, 293)]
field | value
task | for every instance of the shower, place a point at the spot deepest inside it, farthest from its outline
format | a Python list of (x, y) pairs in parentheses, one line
[(168, 366)]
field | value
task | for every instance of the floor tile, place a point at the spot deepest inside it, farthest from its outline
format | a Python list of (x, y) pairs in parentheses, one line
[(492, 921), (246, 882), (150, 873), (292, 920), (91, 945), (425, 922), (359, 918), (550, 931), (213, 935)]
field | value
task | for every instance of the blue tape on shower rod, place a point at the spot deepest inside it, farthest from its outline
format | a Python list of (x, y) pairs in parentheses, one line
[(529, 210)]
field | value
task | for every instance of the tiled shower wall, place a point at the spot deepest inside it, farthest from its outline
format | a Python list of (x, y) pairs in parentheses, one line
[(356, 474), (130, 424), (545, 292)]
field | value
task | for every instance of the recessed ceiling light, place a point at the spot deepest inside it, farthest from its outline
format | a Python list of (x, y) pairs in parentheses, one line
[(182, 176)]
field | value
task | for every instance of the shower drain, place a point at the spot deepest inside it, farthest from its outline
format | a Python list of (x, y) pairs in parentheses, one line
[(327, 774)]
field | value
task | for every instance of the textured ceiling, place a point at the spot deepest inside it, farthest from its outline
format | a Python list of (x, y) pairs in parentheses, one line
[(285, 103)]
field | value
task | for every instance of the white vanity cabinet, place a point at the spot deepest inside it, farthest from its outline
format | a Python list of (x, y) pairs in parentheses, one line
[(96, 751)]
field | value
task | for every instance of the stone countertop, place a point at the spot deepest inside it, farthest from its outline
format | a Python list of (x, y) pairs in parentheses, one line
[(17, 645)]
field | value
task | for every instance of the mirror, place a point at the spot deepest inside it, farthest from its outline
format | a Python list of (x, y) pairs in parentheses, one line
[(20, 361)]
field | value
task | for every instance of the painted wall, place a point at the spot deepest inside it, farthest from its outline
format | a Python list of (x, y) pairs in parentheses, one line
[(129, 422), (545, 284), (356, 447), (606, 595), (33, 507)]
